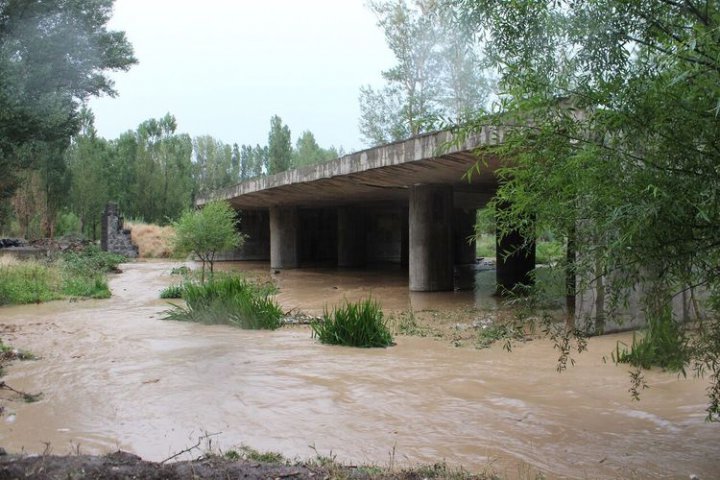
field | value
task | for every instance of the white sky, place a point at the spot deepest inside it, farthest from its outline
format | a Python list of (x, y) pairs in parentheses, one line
[(224, 67)]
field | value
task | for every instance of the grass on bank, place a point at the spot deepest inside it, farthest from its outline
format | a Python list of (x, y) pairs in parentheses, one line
[(72, 274), (359, 324), (226, 299), (546, 251)]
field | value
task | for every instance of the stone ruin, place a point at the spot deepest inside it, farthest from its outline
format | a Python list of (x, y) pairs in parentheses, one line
[(114, 237)]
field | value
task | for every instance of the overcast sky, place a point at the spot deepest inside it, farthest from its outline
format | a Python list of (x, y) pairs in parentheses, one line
[(224, 67)]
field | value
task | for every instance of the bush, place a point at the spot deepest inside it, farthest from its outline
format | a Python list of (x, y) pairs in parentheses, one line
[(228, 300), (358, 324)]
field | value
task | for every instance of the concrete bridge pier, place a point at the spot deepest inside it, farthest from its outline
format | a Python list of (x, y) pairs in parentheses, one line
[(464, 236), (431, 238), (284, 237), (515, 260), (351, 237)]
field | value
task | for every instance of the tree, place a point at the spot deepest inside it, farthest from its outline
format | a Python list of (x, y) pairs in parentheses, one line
[(613, 143), (438, 72), (206, 232), (279, 153), (213, 164), (88, 160), (308, 152), (53, 56), (163, 176)]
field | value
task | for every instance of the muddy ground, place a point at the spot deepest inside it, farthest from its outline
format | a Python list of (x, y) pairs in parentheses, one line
[(125, 466)]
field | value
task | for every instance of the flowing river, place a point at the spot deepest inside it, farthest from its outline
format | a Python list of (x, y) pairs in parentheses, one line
[(115, 376)]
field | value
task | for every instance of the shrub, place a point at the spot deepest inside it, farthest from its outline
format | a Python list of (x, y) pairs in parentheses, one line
[(207, 232), (358, 324), (228, 300)]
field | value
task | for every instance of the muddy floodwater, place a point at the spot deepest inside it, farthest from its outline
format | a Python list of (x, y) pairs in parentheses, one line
[(116, 376)]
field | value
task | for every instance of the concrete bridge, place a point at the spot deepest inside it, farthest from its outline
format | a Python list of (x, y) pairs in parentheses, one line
[(407, 202)]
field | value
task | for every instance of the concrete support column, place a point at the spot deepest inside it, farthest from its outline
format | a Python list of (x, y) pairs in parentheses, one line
[(431, 245), (404, 236), (464, 235), (351, 241), (514, 262), (284, 237)]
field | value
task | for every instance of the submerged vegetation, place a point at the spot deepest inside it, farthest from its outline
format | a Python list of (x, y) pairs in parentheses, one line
[(229, 300), (358, 324), (72, 274), (663, 344)]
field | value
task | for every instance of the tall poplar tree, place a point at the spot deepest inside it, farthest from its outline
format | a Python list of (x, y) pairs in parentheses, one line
[(279, 156)]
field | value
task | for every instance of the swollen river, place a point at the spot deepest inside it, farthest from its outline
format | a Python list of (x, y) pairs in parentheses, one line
[(116, 376)]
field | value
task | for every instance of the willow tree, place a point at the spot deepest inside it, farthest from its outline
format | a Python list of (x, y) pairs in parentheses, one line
[(612, 109), (54, 55)]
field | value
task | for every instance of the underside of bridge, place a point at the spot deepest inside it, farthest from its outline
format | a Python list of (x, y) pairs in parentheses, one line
[(411, 203)]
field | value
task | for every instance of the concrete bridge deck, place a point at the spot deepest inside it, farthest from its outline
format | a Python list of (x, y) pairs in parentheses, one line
[(408, 202)]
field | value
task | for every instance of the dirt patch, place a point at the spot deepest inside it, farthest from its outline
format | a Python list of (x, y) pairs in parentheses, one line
[(122, 465)]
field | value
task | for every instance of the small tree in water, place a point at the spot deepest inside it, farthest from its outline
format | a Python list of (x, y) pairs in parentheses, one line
[(206, 232)]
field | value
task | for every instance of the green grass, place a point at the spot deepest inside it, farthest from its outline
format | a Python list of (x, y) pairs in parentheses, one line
[(662, 344), (29, 282), (358, 324), (229, 300), (253, 455), (546, 251), (172, 291), (485, 246), (73, 274)]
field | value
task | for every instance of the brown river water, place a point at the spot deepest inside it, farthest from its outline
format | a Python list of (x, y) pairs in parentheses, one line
[(114, 375)]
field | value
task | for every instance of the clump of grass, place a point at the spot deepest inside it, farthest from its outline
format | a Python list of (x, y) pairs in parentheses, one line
[(663, 344), (358, 324), (172, 291), (491, 333), (28, 282), (153, 241), (253, 455), (181, 270), (228, 300)]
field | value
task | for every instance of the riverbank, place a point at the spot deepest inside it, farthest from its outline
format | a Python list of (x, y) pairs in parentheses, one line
[(126, 466)]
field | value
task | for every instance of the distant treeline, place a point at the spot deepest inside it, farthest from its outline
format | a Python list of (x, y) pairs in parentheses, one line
[(153, 172)]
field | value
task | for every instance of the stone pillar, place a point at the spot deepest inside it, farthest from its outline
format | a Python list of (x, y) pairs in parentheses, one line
[(464, 236), (351, 241), (431, 245), (284, 230), (514, 263)]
